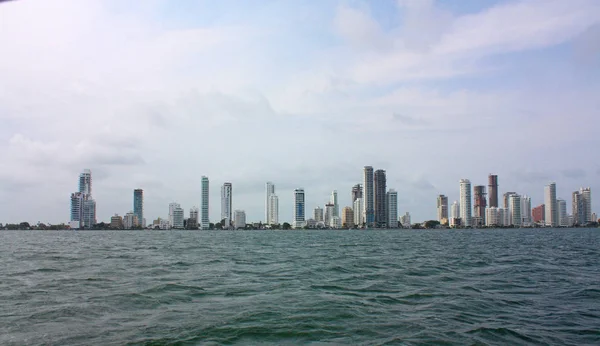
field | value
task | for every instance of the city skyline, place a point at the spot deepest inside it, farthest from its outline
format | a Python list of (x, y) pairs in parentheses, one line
[(382, 83), (517, 210)]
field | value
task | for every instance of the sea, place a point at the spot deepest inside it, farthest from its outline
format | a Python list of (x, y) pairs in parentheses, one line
[(357, 287)]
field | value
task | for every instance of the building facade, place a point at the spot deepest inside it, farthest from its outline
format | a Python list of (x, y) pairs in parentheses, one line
[(493, 190), (380, 190), (299, 209), (204, 205), (138, 204), (538, 214), (369, 195), (334, 200), (227, 205), (318, 214), (273, 210), (514, 209), (357, 192), (442, 208), (480, 204), (194, 218), (269, 191), (392, 209), (465, 202), (347, 217), (563, 217), (551, 213), (239, 219), (358, 215)]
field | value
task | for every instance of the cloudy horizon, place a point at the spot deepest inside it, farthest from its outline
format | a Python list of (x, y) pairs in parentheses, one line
[(155, 95)]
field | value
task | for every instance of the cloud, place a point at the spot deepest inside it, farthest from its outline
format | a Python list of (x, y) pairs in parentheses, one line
[(408, 120), (574, 173)]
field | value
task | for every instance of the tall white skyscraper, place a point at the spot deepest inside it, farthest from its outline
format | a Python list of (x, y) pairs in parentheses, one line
[(226, 205), (329, 211), (563, 217), (85, 182), (391, 207), (273, 212), (358, 215), (270, 190), (334, 200), (369, 197), (172, 207), (465, 202), (551, 206), (204, 210), (299, 209), (526, 210), (514, 208)]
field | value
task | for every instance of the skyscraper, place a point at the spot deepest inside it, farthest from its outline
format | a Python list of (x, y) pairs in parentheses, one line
[(358, 215), (138, 205), (172, 207), (85, 182), (83, 206), (273, 211), (299, 208), (347, 217), (270, 190), (318, 214), (514, 209), (506, 197), (357, 192), (380, 190), (493, 190), (442, 208), (480, 204), (226, 205), (334, 200), (578, 209), (465, 202), (239, 219), (454, 213), (194, 217), (563, 217), (526, 210), (538, 214), (329, 214), (392, 208), (551, 206), (586, 193), (369, 195), (204, 217)]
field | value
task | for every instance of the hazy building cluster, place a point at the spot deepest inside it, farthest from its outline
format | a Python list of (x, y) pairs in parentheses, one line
[(475, 210)]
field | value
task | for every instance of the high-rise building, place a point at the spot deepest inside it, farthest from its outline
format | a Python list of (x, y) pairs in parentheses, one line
[(492, 217), (563, 217), (318, 214), (454, 214), (116, 222), (172, 207), (178, 217), (391, 206), (357, 192), (270, 190), (329, 214), (506, 197), (480, 204), (493, 190), (442, 208), (85, 182), (538, 214), (83, 206), (586, 193), (204, 210), (334, 200), (226, 205), (551, 206), (405, 220), (194, 218), (347, 217), (465, 202), (514, 209), (138, 204), (239, 219), (358, 215), (526, 210), (273, 210), (130, 220), (299, 209), (369, 197), (380, 190)]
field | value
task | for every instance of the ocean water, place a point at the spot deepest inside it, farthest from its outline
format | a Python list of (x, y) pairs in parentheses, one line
[(397, 287)]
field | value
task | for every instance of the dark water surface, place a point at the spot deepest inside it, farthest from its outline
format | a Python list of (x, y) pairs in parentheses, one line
[(496, 287)]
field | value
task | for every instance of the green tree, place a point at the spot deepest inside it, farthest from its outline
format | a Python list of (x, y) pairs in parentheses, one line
[(432, 224), (286, 226)]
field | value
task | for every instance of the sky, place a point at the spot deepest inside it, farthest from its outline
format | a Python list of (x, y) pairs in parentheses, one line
[(156, 94)]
